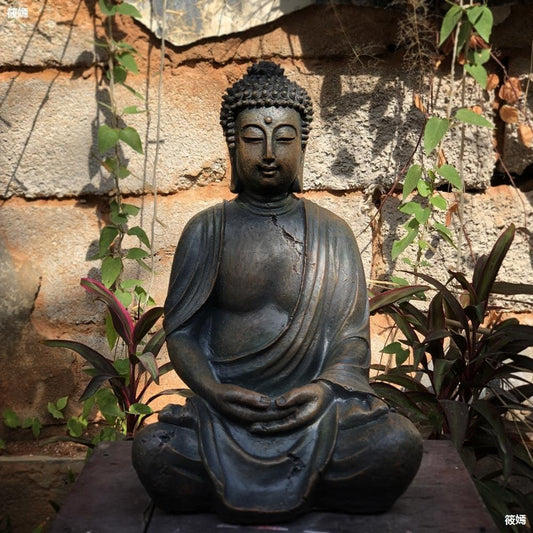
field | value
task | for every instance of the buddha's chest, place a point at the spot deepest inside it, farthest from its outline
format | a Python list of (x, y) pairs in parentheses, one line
[(262, 261)]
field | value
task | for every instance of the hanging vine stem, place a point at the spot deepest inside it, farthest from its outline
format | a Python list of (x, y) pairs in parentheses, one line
[(158, 142), (114, 124)]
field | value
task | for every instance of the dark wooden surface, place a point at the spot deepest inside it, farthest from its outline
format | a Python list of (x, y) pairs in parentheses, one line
[(108, 497)]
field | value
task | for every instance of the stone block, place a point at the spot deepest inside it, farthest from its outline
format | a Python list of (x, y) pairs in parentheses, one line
[(31, 484), (366, 129), (51, 150), (54, 34), (517, 156)]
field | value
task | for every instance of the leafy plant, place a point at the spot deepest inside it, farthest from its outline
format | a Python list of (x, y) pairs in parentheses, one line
[(467, 29), (13, 421), (460, 373), (129, 376)]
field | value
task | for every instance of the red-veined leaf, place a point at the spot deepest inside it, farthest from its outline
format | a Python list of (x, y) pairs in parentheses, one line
[(146, 323), (392, 296), (96, 359), (119, 314), (149, 363)]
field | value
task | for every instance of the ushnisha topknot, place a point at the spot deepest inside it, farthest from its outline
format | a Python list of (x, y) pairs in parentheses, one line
[(264, 85)]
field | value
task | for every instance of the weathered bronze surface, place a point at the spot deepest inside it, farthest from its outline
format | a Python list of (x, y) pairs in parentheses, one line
[(267, 322)]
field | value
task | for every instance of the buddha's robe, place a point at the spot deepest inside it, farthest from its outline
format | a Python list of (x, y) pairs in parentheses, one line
[(326, 338)]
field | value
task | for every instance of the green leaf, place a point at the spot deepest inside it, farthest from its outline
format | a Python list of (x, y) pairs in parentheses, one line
[(449, 23), (444, 232), (410, 208), (120, 219), (106, 9), (137, 253), (130, 136), (110, 331), (75, 427), (396, 348), (464, 35), (11, 419), (125, 298), (140, 409), (111, 269), (434, 131), (411, 180), (36, 427), (132, 110), (130, 209), (127, 60), (480, 57), (450, 174), (470, 117), (122, 366), (124, 45), (399, 246), (104, 104), (52, 409), (423, 188), (141, 234), (120, 74), (482, 20), (479, 73), (107, 138), (108, 404), (62, 403), (123, 172), (107, 236), (129, 10), (133, 91), (130, 283), (439, 202)]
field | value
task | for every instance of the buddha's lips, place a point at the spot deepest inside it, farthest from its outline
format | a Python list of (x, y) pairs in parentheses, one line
[(268, 171)]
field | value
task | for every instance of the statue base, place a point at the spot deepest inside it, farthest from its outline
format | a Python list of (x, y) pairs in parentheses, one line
[(108, 496)]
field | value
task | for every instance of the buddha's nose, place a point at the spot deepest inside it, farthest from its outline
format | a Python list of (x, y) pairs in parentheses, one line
[(269, 151)]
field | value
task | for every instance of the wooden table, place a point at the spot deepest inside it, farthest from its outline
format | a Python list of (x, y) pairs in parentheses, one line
[(108, 497)]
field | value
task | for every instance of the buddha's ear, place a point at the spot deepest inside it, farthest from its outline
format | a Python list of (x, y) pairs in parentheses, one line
[(298, 183), (235, 185)]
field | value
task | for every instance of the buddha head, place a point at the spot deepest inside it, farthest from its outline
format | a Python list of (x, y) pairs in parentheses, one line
[(266, 120)]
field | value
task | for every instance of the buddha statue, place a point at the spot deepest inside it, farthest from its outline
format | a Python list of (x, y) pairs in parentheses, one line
[(266, 321)]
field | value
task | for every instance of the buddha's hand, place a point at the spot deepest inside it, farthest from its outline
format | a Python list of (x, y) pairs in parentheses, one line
[(240, 404), (297, 408)]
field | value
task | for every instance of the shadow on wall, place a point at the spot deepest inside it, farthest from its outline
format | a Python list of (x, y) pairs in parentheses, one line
[(84, 59)]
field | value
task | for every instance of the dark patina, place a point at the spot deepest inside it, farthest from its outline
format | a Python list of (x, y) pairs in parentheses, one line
[(267, 322)]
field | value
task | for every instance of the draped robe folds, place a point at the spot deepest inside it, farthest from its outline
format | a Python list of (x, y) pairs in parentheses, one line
[(326, 338)]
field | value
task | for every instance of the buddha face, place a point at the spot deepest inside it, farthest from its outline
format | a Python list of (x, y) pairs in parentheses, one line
[(268, 155)]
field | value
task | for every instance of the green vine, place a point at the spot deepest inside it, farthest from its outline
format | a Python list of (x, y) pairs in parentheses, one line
[(112, 139), (468, 28)]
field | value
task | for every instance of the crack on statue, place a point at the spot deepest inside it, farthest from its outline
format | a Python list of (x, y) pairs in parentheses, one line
[(297, 464), (295, 243)]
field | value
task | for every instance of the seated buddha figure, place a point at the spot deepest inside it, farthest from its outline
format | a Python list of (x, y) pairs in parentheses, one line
[(266, 322)]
